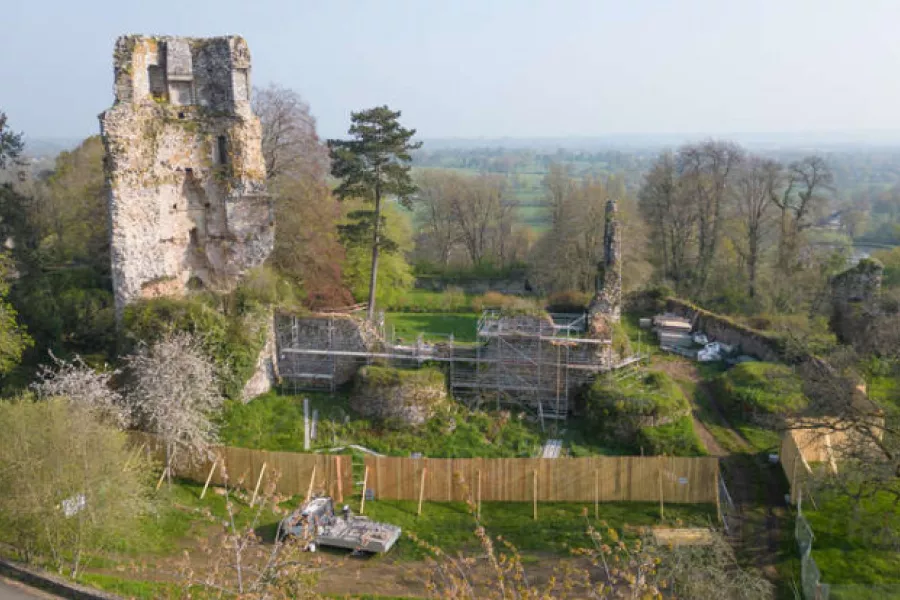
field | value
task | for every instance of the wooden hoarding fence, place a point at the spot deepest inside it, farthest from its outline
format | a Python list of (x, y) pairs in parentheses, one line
[(296, 473), (679, 480), (595, 479)]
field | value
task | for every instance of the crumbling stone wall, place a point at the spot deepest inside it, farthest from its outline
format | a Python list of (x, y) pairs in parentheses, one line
[(759, 344), (187, 195), (411, 396), (323, 332), (854, 300), (265, 377), (606, 307)]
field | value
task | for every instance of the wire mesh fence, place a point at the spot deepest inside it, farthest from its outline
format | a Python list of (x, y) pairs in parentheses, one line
[(811, 576)]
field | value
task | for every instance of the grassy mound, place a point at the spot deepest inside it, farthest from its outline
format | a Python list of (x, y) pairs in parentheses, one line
[(652, 395), (673, 439), (275, 422), (759, 389), (649, 412), (399, 396)]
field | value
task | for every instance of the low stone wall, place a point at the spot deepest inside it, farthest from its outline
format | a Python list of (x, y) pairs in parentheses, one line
[(758, 344), (49, 582), (266, 375)]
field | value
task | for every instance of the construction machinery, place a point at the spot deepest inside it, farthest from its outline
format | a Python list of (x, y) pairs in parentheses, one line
[(316, 523)]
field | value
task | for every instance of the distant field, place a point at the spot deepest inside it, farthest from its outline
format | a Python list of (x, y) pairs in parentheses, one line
[(526, 188)]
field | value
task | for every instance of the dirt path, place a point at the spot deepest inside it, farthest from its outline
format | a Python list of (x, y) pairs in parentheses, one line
[(684, 371), (753, 483)]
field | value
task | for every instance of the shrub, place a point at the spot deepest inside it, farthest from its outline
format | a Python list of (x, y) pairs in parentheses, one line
[(72, 488), (506, 303), (761, 388), (571, 301), (453, 299), (648, 301), (233, 341), (672, 439)]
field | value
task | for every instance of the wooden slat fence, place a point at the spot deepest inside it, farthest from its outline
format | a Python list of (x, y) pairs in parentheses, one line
[(604, 479), (796, 467), (243, 466)]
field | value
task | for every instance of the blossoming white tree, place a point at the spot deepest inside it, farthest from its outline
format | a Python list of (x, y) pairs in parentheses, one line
[(174, 395), (84, 387)]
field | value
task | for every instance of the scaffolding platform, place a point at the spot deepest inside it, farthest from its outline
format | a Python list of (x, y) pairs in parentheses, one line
[(534, 362)]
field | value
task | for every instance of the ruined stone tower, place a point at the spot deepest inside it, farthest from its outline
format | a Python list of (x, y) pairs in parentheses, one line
[(606, 307), (188, 202)]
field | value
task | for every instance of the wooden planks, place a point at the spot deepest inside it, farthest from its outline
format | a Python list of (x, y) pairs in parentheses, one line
[(243, 468), (602, 479), (687, 480)]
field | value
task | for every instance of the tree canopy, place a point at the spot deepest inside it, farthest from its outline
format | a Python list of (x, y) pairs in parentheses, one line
[(373, 164)]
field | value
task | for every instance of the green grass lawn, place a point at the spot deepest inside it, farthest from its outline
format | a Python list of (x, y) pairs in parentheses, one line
[(885, 391), (437, 327), (560, 526), (275, 422), (450, 526), (856, 547), (428, 301)]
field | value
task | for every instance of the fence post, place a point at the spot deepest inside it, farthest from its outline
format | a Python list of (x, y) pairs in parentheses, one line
[(340, 483), (258, 481), (209, 477), (794, 480), (306, 424), (312, 478), (362, 503), (718, 503), (662, 514), (596, 493), (478, 505), (534, 491), (421, 490)]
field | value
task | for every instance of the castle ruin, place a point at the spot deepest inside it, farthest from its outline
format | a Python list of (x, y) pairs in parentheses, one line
[(187, 190), (606, 306)]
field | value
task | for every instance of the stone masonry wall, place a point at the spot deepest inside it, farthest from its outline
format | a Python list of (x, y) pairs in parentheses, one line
[(606, 307), (854, 295), (187, 195), (758, 344)]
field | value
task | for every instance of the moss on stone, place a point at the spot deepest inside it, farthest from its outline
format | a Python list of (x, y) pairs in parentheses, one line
[(407, 396)]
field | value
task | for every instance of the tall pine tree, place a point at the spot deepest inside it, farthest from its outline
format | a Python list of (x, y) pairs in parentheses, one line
[(374, 163)]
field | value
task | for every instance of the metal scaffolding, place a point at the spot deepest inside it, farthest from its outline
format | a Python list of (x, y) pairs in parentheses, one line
[(530, 361), (534, 361)]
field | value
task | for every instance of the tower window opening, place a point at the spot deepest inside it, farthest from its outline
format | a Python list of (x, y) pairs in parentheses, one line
[(223, 150)]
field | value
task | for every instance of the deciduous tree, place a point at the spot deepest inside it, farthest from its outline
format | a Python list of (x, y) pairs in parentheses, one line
[(175, 395), (672, 218), (707, 172), (754, 187), (307, 249), (799, 200), (84, 387), (71, 485)]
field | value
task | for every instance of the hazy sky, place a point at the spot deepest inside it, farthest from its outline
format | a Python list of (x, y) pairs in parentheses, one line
[(492, 68)]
